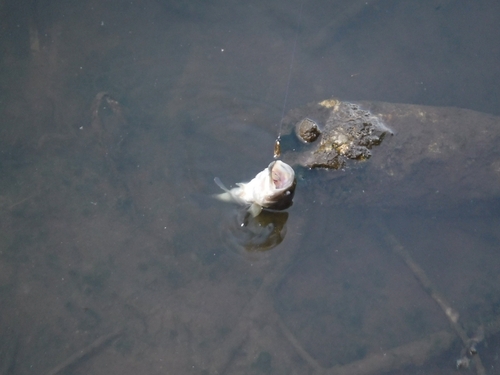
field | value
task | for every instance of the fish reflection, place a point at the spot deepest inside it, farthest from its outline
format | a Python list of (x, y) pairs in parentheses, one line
[(258, 233)]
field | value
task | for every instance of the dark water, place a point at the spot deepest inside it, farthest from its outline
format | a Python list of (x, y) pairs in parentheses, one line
[(116, 117)]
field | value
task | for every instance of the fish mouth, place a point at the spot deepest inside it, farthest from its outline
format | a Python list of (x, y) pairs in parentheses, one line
[(284, 182), (282, 175), (283, 199)]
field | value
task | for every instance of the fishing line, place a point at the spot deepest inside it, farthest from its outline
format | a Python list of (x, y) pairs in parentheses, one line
[(277, 145)]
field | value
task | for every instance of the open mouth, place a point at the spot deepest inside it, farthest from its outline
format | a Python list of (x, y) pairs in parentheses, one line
[(279, 176)]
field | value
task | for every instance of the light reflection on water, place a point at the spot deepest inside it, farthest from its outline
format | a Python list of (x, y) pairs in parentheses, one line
[(112, 228)]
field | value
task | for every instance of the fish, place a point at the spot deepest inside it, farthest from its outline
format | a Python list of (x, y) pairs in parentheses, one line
[(273, 189)]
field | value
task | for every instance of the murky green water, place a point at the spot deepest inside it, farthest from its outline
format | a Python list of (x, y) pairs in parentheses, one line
[(117, 116)]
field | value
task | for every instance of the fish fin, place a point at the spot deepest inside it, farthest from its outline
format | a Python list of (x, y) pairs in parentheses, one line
[(221, 185), (255, 209), (225, 197)]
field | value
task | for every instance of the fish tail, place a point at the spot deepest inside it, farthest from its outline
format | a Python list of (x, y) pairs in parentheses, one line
[(221, 185)]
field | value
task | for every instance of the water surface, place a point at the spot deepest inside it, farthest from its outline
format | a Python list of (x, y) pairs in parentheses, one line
[(118, 115)]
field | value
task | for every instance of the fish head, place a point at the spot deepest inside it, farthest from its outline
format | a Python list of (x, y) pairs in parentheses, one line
[(282, 182)]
